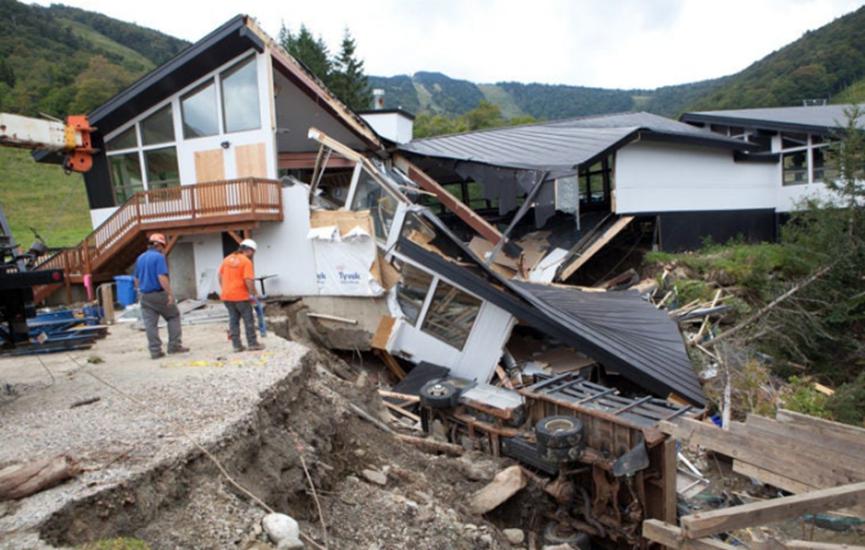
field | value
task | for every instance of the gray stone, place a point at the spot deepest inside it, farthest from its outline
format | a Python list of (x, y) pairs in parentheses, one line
[(563, 546), (514, 536), (283, 530), (374, 476)]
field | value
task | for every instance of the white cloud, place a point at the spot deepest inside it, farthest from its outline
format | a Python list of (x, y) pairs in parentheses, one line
[(614, 43)]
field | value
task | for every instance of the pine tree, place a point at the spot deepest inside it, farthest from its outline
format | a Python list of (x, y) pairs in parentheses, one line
[(349, 82), (308, 50)]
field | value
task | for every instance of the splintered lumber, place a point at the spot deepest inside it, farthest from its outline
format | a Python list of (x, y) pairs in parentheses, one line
[(723, 520), (670, 536), (852, 434), (812, 545), (432, 446), (404, 397), (791, 459), (392, 364), (593, 248), (21, 480), (400, 410)]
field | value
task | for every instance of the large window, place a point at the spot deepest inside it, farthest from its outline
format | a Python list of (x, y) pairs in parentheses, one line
[(238, 86), (143, 156), (369, 195), (240, 108), (198, 109), (804, 159), (451, 313)]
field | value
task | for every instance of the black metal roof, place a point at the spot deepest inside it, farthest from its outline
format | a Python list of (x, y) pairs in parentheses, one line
[(820, 119), (561, 146), (396, 110)]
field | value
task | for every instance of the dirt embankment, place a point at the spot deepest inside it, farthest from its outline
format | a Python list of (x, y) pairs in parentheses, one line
[(188, 504)]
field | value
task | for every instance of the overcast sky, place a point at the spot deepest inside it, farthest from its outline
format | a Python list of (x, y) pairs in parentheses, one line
[(606, 43)]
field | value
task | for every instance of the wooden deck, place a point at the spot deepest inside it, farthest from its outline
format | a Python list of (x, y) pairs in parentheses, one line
[(212, 207)]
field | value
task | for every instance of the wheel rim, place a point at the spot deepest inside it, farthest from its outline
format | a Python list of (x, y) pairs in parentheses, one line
[(438, 390), (559, 425)]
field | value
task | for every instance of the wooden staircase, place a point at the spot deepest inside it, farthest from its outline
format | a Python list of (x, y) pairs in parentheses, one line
[(211, 207)]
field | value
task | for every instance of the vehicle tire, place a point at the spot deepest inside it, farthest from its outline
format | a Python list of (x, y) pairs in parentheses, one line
[(438, 394), (559, 432), (577, 539)]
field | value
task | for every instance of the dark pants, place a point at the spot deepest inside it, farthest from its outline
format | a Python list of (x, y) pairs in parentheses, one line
[(153, 306), (236, 311)]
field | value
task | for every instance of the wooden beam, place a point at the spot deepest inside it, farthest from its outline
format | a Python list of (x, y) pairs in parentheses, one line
[(671, 536), (392, 364), (812, 545), (233, 234), (169, 246), (462, 210), (852, 434), (306, 161), (593, 248), (703, 524), (751, 448)]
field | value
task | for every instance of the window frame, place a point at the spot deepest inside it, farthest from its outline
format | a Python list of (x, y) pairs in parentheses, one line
[(220, 97), (808, 148), (421, 318)]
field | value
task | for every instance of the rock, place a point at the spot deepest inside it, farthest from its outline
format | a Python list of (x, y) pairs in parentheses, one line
[(503, 486), (282, 530), (476, 467), (514, 536), (563, 546), (374, 476), (486, 540)]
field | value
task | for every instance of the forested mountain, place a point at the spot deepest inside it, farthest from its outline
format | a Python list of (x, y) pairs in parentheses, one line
[(827, 63), (61, 60)]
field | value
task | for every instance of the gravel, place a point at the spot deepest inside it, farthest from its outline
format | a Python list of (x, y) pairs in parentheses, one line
[(205, 393)]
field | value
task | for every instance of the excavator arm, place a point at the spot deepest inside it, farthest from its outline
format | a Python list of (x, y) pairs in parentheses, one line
[(71, 138)]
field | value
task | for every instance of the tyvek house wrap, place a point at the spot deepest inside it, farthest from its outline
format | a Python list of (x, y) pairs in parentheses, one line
[(345, 264)]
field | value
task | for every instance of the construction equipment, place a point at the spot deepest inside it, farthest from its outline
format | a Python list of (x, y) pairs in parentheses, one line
[(17, 273), (71, 138)]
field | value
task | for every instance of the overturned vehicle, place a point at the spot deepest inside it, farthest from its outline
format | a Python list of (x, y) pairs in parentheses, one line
[(570, 382)]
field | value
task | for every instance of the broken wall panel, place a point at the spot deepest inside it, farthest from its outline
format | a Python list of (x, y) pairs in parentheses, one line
[(346, 256)]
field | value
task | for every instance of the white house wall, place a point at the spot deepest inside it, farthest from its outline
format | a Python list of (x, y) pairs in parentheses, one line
[(207, 250), (665, 177), (99, 215)]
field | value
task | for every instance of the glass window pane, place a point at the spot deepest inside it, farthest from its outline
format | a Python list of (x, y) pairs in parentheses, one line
[(451, 315), (161, 166), (158, 127), (789, 140), (795, 168), (240, 97), (824, 169), (411, 291), (124, 140), (198, 109), (371, 196), (125, 176)]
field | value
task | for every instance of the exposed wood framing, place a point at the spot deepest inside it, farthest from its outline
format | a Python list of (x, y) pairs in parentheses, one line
[(392, 364), (462, 210), (306, 161), (593, 248), (671, 536), (724, 520)]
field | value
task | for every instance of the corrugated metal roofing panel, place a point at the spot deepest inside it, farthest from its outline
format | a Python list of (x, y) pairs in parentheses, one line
[(561, 145), (816, 117)]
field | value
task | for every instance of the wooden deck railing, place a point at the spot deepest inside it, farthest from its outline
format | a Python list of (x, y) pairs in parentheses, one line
[(202, 204)]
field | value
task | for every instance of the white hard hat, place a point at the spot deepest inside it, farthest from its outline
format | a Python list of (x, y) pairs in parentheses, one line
[(249, 243)]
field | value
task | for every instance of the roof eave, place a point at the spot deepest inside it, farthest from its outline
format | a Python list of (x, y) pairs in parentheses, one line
[(774, 125)]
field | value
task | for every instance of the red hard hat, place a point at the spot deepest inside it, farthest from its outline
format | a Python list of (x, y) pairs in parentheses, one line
[(158, 238)]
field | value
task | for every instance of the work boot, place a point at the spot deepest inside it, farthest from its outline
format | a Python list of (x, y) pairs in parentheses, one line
[(178, 349), (238, 349), (157, 355), (256, 347)]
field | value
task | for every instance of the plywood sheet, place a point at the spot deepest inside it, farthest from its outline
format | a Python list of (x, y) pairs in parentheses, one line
[(209, 166), (251, 161)]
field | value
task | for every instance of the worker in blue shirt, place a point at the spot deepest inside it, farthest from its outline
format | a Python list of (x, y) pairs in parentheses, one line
[(157, 298)]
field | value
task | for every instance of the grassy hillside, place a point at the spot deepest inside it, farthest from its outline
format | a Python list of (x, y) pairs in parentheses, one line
[(821, 64), (60, 60), (41, 196)]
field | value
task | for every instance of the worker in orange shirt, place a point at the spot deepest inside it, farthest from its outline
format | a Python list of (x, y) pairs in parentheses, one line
[(237, 281)]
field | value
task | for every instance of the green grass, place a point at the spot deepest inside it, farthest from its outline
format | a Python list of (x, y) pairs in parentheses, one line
[(854, 93), (131, 58), (753, 266), (497, 96), (41, 196)]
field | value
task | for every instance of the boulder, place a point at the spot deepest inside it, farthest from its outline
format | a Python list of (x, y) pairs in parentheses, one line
[(514, 536), (503, 486), (283, 530), (374, 476)]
